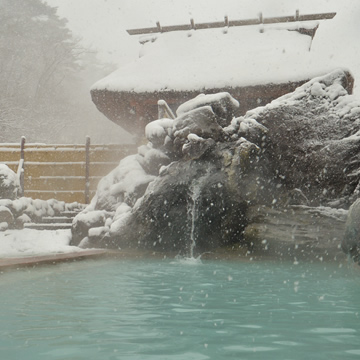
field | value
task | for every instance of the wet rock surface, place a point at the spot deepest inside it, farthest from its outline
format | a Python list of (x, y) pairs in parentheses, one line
[(296, 232), (278, 180)]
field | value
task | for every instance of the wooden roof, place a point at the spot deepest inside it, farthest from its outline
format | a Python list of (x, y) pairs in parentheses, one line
[(230, 23)]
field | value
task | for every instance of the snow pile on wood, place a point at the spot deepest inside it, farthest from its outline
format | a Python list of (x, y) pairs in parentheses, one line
[(216, 58), (242, 56)]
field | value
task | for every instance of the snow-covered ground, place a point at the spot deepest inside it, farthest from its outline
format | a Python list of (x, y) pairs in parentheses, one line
[(29, 242)]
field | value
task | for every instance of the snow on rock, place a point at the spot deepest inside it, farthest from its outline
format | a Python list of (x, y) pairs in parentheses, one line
[(6, 216), (123, 184), (120, 188), (330, 91), (197, 146), (26, 242), (222, 104), (9, 184), (201, 121), (85, 221), (319, 123), (296, 159), (248, 128), (156, 131), (24, 210), (119, 222), (3, 226), (152, 160), (190, 134)]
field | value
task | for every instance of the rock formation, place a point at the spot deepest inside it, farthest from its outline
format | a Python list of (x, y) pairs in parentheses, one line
[(277, 180)]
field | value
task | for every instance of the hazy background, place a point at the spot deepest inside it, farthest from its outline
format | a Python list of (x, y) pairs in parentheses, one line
[(102, 24), (99, 28)]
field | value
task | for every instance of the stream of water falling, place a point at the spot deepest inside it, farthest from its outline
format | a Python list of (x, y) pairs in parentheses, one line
[(193, 209)]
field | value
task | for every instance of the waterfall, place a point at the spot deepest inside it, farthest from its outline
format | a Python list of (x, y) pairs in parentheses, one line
[(193, 209)]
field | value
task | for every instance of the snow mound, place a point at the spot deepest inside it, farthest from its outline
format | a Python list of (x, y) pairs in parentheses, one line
[(26, 242)]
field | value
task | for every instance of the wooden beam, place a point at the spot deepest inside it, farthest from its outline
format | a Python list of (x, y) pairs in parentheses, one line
[(230, 23)]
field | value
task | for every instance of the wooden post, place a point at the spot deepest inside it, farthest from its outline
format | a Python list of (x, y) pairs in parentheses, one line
[(87, 170), (20, 172)]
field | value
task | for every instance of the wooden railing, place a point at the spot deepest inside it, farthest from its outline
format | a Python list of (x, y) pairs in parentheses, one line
[(63, 172)]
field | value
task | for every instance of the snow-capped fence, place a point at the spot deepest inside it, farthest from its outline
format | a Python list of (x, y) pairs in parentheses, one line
[(63, 172)]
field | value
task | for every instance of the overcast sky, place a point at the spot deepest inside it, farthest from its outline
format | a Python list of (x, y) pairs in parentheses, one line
[(102, 24)]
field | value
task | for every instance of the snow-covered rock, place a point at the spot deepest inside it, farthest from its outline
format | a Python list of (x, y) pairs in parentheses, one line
[(85, 221), (313, 138), (9, 184), (201, 121), (6, 216), (24, 210), (157, 130), (197, 146), (244, 181), (222, 104)]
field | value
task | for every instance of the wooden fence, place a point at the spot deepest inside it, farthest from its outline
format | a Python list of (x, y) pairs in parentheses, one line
[(63, 172)]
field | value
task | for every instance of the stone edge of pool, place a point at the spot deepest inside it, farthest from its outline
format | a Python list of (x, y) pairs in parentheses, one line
[(50, 258), (230, 254)]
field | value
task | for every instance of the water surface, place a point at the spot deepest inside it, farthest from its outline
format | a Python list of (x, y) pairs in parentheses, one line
[(176, 309)]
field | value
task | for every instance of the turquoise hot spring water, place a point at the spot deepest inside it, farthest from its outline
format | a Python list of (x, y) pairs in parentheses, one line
[(180, 309)]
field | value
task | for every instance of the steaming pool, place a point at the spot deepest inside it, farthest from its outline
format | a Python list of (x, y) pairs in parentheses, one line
[(177, 309)]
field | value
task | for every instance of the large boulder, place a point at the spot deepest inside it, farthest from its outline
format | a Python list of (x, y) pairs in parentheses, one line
[(222, 104), (313, 139), (186, 209)]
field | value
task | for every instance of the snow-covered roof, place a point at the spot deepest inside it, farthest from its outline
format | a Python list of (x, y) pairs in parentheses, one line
[(218, 58)]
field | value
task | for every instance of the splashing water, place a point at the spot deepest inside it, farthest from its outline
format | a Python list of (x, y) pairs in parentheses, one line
[(187, 260)]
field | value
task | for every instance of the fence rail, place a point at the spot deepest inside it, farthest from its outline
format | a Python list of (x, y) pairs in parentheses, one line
[(63, 172)]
